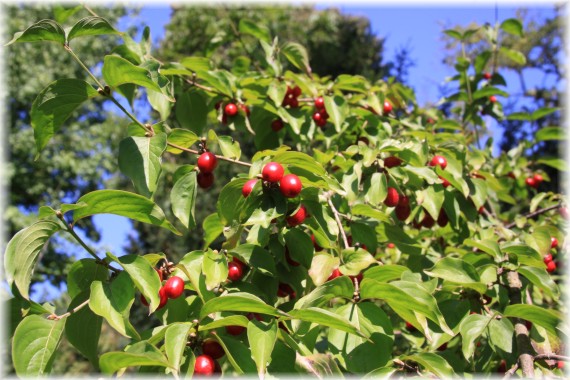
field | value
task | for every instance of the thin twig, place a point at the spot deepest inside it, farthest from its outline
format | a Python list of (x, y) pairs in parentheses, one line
[(202, 87), (514, 368), (338, 222), (76, 58), (217, 156), (89, 10), (534, 214), (74, 310)]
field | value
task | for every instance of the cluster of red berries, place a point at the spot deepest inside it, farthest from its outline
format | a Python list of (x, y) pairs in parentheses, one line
[(206, 364), (534, 181), (231, 109), (172, 288), (207, 162), (235, 270), (291, 97), (320, 116), (548, 259)]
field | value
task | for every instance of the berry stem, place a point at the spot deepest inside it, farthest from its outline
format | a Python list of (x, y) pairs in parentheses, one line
[(74, 310), (217, 156)]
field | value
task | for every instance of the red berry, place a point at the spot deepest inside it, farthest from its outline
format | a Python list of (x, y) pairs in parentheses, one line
[(487, 76), (318, 248), (174, 287), (392, 198), (277, 125), (285, 290), (297, 218), (547, 258), (335, 273), (387, 107), (511, 175), (296, 91), (230, 109), (290, 186), (553, 242), (551, 267), (319, 102), (392, 161), (250, 316), (235, 330), (444, 182), (564, 212), (357, 277), (442, 219), (144, 301), (321, 122), (207, 162), (410, 327), (159, 272), (428, 221), (502, 366), (204, 365), (390, 245), (492, 98), (272, 172), (560, 364), (163, 297), (538, 179), (205, 180), (481, 210), (245, 109), (217, 105), (443, 347), (317, 117), (531, 182), (212, 348), (438, 160), (403, 211), (404, 201), (235, 271), (293, 103), (248, 187), (290, 261)]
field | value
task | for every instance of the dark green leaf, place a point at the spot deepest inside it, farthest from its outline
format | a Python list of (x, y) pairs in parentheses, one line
[(300, 247), (183, 199), (542, 112), (297, 55), (257, 30), (238, 354), (457, 271), (212, 228), (83, 329), (547, 318), (82, 273), (512, 26), (238, 302), (550, 133), (191, 111), (261, 337), (91, 26), (432, 363), (118, 71), (111, 362), (43, 30)]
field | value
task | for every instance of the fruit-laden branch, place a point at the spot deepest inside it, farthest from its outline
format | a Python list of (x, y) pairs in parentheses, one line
[(217, 156), (514, 368), (535, 214)]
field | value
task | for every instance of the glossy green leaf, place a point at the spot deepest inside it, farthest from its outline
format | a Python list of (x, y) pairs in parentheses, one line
[(123, 203), (183, 199), (432, 363), (118, 71), (325, 318), (34, 345), (339, 287), (22, 253), (140, 160), (215, 268), (542, 112), (43, 30), (257, 30), (488, 91), (433, 198), (113, 302), (257, 257), (337, 109), (525, 255), (355, 261), (231, 200), (554, 162), (501, 333), (233, 320), (238, 302), (111, 362), (385, 273), (354, 83), (212, 228), (175, 340), (238, 354), (297, 55), (457, 271), (541, 279), (261, 337), (377, 189), (191, 111), (547, 318), (550, 133), (143, 275), (512, 26), (82, 273), (83, 329), (91, 26), (54, 105), (488, 246), (366, 210), (514, 55), (300, 247)]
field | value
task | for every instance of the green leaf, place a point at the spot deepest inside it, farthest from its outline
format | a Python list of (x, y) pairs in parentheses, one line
[(118, 71), (488, 246), (300, 247), (471, 328), (355, 83), (182, 138), (385, 273), (540, 279), (82, 273), (34, 344), (113, 302), (355, 261), (261, 337), (140, 160), (339, 287), (433, 198), (215, 268), (257, 30), (554, 162), (453, 34), (83, 329), (432, 363), (324, 317), (297, 55), (123, 203), (550, 133), (91, 26), (212, 228), (366, 210), (228, 146), (191, 111), (175, 340), (238, 302), (542, 112), (230, 202), (514, 55), (183, 199), (233, 320), (22, 253), (143, 275), (457, 271), (337, 109), (525, 254), (43, 30), (111, 362), (512, 26), (488, 91), (501, 334), (547, 318), (54, 105), (377, 190), (238, 354), (62, 13)]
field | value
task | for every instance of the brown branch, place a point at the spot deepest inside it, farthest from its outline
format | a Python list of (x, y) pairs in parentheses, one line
[(202, 87), (338, 222), (514, 368), (534, 214), (74, 310), (217, 156)]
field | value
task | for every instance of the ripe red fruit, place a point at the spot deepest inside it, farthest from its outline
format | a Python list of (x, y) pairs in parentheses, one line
[(444, 182), (235, 271), (560, 364), (492, 98), (163, 297), (335, 273), (297, 218), (387, 107), (392, 198), (530, 181), (538, 179), (293, 103), (205, 180), (403, 211), (410, 327), (277, 125), (502, 367), (442, 219), (481, 210), (551, 267), (511, 175), (174, 287), (358, 277), (319, 102), (144, 301), (553, 242), (290, 186), (317, 117), (204, 365), (245, 109), (248, 187), (318, 248), (159, 272), (272, 172), (487, 76), (250, 316), (235, 330), (564, 212), (296, 91), (428, 221), (285, 290), (290, 261), (230, 109), (207, 162), (547, 258), (391, 245), (443, 347), (321, 122), (213, 349), (438, 160), (392, 161)]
